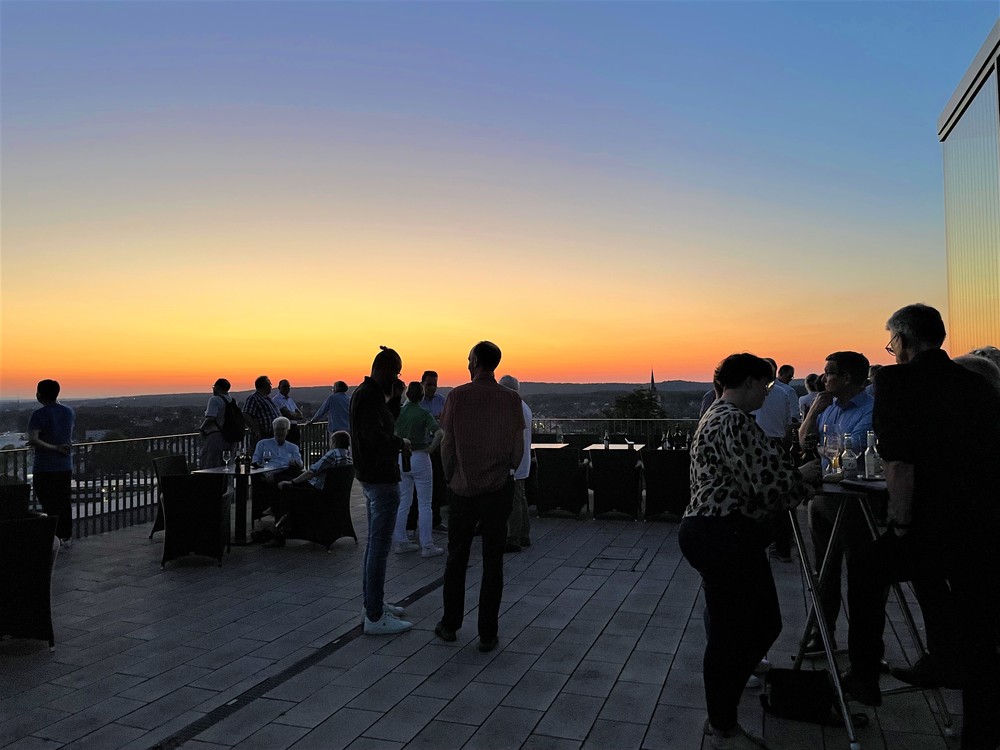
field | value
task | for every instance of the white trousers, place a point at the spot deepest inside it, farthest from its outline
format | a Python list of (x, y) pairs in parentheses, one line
[(421, 476)]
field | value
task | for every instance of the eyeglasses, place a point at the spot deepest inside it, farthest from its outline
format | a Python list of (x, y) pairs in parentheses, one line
[(770, 386), (889, 348)]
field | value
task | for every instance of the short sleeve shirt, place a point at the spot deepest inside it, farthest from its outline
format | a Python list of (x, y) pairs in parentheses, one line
[(416, 425), (54, 423)]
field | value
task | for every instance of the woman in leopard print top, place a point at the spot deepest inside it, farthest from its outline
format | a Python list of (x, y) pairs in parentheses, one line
[(739, 480)]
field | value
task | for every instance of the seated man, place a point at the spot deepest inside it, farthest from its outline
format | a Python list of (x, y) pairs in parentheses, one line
[(314, 476), (284, 456), (844, 407)]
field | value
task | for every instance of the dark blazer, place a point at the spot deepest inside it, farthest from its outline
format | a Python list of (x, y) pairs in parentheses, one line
[(945, 421)]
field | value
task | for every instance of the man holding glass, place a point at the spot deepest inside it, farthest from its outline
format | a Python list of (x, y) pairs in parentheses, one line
[(843, 408)]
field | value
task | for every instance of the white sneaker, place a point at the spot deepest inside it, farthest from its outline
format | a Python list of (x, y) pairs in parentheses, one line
[(735, 739), (67, 542), (431, 550), (389, 609), (387, 625), (402, 547)]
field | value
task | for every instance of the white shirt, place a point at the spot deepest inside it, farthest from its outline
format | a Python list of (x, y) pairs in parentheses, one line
[(524, 468), (284, 402), (776, 413), (282, 456)]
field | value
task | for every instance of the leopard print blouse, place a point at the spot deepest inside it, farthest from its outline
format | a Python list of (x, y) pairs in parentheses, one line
[(735, 468)]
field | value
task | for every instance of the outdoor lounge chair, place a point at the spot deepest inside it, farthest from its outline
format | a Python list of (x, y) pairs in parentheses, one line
[(164, 466), (614, 478), (26, 562), (561, 482), (196, 513), (322, 517), (668, 487), (14, 500)]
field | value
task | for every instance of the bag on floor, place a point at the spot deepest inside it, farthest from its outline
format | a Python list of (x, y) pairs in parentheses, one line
[(800, 695)]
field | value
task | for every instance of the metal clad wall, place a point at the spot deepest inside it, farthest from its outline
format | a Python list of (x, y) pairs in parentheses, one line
[(972, 222)]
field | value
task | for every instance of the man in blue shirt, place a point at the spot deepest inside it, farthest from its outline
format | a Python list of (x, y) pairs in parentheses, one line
[(50, 432), (336, 409), (432, 400), (843, 408)]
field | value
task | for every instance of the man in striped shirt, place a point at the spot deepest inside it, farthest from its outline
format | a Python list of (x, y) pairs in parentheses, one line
[(482, 447)]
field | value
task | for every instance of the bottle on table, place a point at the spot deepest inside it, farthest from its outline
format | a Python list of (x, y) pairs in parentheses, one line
[(874, 469), (849, 459), (607, 440)]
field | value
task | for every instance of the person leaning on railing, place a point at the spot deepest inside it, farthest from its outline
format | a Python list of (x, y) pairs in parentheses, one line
[(739, 480)]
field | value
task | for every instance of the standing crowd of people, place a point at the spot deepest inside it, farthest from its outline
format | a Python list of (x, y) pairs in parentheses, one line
[(937, 422)]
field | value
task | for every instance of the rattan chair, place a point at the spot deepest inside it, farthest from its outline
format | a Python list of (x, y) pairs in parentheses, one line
[(165, 466), (26, 562), (196, 514), (322, 516)]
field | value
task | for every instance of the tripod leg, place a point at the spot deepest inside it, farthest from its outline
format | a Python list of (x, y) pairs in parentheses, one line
[(824, 632)]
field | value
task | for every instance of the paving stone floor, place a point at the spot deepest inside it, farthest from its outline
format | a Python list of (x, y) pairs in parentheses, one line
[(601, 638)]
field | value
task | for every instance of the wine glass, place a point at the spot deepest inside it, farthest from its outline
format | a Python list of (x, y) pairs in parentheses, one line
[(266, 457), (227, 456), (831, 445)]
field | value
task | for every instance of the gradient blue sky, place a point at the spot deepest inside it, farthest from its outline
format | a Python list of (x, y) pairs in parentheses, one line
[(599, 187)]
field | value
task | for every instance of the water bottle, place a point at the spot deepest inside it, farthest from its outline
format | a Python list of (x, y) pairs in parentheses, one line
[(849, 459), (874, 469)]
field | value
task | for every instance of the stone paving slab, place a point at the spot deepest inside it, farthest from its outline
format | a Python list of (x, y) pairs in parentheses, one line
[(601, 640)]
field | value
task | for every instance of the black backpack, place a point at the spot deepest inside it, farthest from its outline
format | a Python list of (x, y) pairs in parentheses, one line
[(233, 426)]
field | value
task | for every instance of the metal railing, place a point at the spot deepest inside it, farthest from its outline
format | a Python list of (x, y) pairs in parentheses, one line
[(113, 483), (647, 431)]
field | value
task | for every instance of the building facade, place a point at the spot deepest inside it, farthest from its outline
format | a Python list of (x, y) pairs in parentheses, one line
[(969, 131)]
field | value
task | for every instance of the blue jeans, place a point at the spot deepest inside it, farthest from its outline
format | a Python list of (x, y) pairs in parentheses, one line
[(382, 504)]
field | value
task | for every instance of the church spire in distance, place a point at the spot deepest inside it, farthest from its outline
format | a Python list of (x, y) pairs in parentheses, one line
[(652, 381)]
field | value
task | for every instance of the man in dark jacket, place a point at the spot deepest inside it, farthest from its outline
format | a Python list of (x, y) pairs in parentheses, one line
[(376, 449), (938, 426)]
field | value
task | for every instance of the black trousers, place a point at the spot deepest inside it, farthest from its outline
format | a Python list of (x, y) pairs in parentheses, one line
[(854, 534), (742, 617), (52, 488), (955, 571), (490, 511)]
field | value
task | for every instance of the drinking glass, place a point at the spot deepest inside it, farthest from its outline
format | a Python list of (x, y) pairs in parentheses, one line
[(267, 457), (227, 456)]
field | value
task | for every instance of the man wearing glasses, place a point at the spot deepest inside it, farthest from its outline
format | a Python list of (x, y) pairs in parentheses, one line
[(939, 428)]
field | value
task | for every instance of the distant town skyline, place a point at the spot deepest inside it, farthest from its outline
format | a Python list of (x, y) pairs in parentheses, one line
[(195, 190)]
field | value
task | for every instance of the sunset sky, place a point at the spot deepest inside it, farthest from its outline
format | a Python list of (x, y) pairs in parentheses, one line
[(202, 189)]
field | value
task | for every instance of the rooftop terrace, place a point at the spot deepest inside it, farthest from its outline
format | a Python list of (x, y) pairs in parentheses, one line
[(601, 640)]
